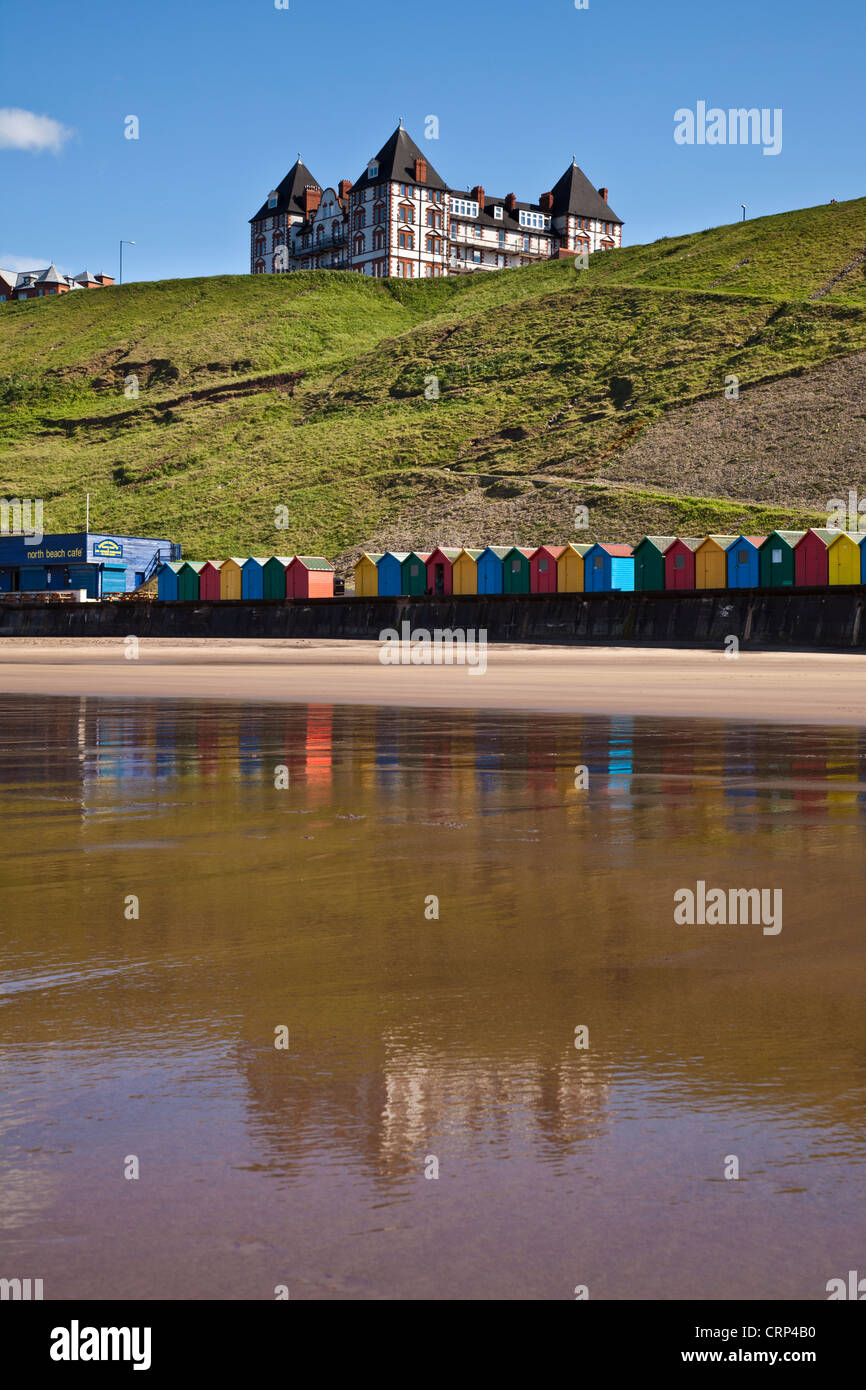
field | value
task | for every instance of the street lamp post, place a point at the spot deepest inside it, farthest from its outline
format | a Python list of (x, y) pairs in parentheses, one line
[(122, 244), (743, 206)]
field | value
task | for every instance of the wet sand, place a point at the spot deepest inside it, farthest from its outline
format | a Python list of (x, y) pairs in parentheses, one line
[(793, 687), (300, 901)]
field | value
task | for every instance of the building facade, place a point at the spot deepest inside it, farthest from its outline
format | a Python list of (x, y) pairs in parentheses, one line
[(94, 561), (36, 284), (401, 219)]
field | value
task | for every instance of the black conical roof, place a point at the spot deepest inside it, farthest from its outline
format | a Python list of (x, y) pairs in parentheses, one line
[(290, 193), (396, 163), (575, 194)]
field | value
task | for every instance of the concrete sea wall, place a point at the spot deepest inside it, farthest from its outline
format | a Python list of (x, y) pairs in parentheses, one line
[(784, 619)]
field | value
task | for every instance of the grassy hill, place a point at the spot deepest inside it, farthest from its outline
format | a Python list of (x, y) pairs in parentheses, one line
[(551, 388)]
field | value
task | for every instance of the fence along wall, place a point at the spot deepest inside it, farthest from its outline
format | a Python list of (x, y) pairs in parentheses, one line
[(807, 619)]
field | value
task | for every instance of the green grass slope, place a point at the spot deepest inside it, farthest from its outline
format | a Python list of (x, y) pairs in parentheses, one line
[(495, 404)]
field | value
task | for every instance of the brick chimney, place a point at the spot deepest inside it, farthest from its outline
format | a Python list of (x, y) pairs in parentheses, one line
[(344, 189), (545, 202), (312, 199), (420, 170), (478, 195), (511, 202), (603, 193)]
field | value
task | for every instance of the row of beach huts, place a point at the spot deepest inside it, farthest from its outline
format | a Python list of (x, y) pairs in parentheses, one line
[(256, 577), (810, 558)]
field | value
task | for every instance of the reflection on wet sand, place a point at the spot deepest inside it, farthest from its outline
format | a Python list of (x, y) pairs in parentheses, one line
[(267, 899)]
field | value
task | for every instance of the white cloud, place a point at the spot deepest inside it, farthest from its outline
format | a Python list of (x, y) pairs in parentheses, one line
[(30, 263), (24, 130)]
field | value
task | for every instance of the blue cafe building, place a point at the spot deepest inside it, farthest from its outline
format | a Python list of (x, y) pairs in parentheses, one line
[(99, 563)]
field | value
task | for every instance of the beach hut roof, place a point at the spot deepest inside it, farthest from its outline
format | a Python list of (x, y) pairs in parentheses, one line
[(283, 560), (756, 541), (197, 565), (400, 555), (449, 551), (855, 537), (521, 550), (474, 554), (554, 550), (500, 551), (257, 560), (660, 542), (722, 541), (616, 549), (313, 562), (176, 565), (419, 555), (790, 537), (823, 533), (692, 542), (239, 560), (578, 549), (374, 556), (215, 564)]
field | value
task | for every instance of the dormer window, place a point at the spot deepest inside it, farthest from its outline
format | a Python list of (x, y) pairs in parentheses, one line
[(272, 199), (372, 170), (498, 214)]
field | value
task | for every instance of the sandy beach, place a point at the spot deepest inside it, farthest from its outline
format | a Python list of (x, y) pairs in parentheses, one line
[(792, 687)]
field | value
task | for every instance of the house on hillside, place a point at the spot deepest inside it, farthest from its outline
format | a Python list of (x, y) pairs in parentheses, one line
[(401, 218), (36, 284)]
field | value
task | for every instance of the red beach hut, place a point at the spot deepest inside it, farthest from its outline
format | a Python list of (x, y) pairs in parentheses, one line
[(811, 561), (209, 580), (542, 568), (680, 564), (440, 579), (310, 576)]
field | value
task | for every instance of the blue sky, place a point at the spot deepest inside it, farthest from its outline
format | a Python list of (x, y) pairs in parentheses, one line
[(227, 92)]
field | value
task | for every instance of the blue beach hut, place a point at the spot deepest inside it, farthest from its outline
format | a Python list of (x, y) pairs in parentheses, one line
[(490, 571), (608, 568), (390, 569), (166, 581), (744, 562), (253, 577)]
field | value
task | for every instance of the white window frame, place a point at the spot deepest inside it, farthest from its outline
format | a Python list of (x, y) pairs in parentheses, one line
[(534, 219), (463, 207)]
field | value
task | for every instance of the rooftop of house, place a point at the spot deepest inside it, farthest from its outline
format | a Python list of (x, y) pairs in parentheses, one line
[(288, 196), (395, 163), (50, 275), (572, 194)]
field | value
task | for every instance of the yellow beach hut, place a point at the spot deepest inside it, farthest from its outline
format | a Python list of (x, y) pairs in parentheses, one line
[(711, 562), (366, 574), (231, 577), (569, 569), (464, 572), (843, 558)]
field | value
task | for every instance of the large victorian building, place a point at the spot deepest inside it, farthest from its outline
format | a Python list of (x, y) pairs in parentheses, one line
[(400, 218)]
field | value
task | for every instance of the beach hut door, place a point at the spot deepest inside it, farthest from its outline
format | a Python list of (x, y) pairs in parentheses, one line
[(439, 583)]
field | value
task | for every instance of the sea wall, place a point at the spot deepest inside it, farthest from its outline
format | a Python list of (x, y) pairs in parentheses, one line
[(804, 619)]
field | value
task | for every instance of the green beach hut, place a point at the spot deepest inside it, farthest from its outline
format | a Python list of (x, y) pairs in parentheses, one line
[(649, 562), (776, 559), (274, 576), (188, 579), (414, 572), (517, 571)]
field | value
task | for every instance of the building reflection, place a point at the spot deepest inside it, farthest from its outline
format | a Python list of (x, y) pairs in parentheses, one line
[(304, 904)]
